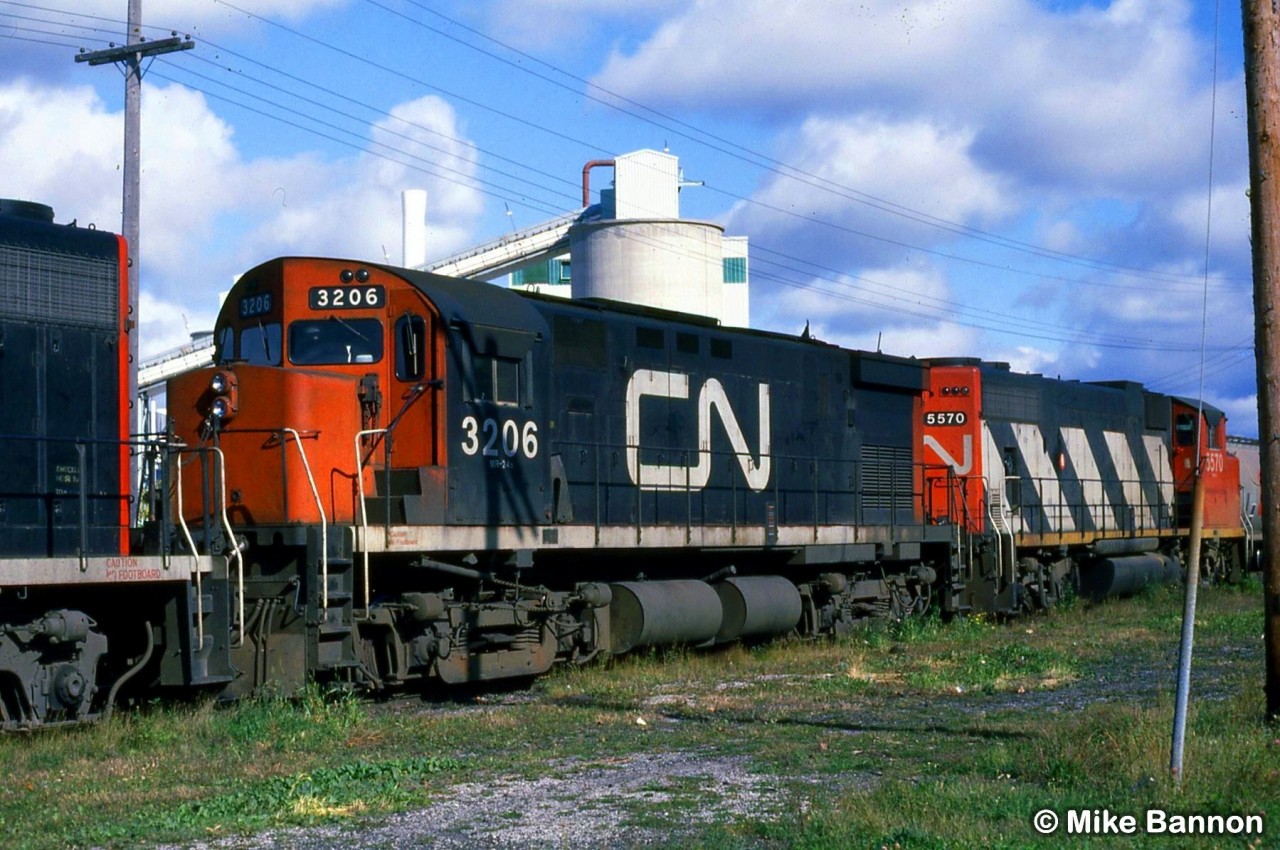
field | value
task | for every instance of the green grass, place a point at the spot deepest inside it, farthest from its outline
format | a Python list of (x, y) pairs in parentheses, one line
[(917, 735)]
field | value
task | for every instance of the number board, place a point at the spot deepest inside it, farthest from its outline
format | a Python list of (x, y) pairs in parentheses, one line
[(345, 297), (258, 304), (946, 417)]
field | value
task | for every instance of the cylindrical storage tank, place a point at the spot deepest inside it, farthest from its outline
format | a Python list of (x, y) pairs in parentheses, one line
[(651, 613), (756, 606), (1123, 576), (664, 263)]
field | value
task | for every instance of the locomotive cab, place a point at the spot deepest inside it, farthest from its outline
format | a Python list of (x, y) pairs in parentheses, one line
[(1204, 443), (310, 354)]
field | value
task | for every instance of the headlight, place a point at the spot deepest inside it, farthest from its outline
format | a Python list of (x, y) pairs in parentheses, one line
[(223, 394)]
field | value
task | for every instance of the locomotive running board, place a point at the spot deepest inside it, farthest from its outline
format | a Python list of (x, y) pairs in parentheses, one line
[(115, 569), (449, 538)]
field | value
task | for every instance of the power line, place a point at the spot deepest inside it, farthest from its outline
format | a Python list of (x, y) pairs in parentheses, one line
[(770, 164), (764, 161), (1014, 325), (1035, 327)]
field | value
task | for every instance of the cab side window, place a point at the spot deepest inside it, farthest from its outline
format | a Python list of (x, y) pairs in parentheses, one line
[(1185, 429), (497, 379), (225, 350)]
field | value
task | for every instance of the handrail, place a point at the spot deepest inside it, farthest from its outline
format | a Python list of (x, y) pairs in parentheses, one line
[(1000, 521), (364, 515), (82, 494), (801, 472), (191, 546), (231, 538), (1246, 522), (324, 522)]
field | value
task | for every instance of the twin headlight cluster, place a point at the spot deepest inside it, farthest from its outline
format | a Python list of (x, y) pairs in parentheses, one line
[(223, 396)]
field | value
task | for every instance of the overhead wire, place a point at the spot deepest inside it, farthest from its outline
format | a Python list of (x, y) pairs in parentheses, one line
[(769, 163), (1109, 340), (381, 112), (186, 71), (815, 181), (1034, 329), (601, 150)]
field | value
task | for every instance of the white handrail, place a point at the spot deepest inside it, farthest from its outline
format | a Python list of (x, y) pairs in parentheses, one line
[(364, 515), (231, 540), (324, 522), (1000, 521), (191, 546)]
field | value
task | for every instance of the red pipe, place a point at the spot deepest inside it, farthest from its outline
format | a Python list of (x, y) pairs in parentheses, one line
[(586, 178)]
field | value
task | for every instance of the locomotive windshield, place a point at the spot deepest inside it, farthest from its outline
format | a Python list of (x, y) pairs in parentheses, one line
[(330, 341), (258, 343)]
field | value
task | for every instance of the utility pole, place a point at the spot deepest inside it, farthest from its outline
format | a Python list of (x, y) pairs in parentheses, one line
[(131, 56), (1262, 88)]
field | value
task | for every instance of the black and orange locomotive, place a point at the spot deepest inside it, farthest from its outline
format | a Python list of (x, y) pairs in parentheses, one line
[(432, 477), (389, 476)]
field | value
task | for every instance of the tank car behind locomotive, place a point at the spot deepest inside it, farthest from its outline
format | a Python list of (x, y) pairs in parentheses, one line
[(81, 610)]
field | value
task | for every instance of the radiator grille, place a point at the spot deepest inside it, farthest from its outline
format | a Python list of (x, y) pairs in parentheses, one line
[(57, 288), (886, 478)]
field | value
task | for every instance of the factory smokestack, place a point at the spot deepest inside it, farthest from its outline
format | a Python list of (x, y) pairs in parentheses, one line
[(415, 227)]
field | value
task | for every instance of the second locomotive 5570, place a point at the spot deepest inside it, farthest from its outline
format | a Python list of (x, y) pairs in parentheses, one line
[(438, 478)]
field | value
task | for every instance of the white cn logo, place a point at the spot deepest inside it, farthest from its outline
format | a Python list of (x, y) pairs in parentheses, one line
[(647, 382)]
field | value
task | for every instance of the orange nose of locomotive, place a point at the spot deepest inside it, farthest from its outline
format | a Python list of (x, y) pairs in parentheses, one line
[(285, 438)]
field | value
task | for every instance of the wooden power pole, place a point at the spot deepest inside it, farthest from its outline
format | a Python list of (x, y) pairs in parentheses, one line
[(1262, 87), (131, 57)]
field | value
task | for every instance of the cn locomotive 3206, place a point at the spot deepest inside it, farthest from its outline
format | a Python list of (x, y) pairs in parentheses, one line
[(408, 477)]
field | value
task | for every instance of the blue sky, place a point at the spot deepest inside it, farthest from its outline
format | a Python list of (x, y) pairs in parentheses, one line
[(1016, 180)]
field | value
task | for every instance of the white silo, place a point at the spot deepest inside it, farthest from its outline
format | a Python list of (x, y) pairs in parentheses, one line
[(641, 251)]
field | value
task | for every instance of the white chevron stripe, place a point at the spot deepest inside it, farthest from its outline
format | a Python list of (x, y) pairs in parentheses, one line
[(1045, 474), (1076, 444)]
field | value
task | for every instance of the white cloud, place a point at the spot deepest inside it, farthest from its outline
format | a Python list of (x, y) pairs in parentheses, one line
[(904, 173), (1107, 99), (202, 13), (166, 325), (1080, 128), (209, 213), (75, 173), (895, 310), (352, 208), (1242, 415)]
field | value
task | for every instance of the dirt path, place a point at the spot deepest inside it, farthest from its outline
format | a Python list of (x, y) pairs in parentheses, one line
[(593, 804)]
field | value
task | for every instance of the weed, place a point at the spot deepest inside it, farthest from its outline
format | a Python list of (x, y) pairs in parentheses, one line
[(859, 741)]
